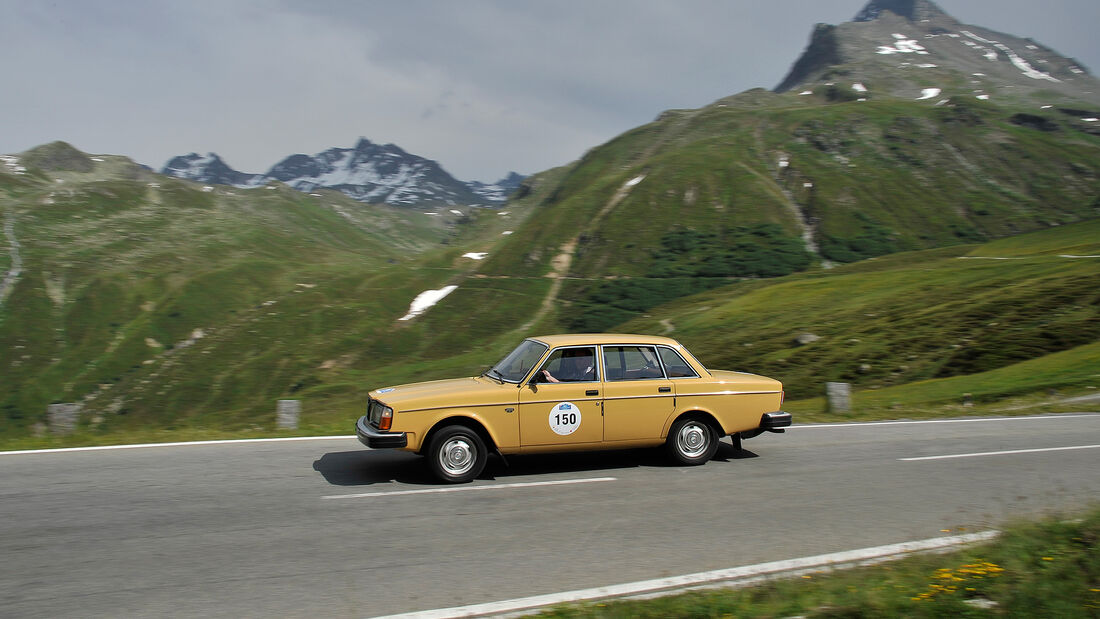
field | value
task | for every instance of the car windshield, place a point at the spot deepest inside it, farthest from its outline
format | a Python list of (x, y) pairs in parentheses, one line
[(515, 366)]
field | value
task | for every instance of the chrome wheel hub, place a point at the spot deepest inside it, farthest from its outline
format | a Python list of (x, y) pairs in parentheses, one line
[(693, 440), (457, 456)]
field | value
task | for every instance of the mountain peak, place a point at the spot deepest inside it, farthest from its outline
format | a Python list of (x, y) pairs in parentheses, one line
[(58, 156), (909, 48), (368, 172), (913, 10), (208, 168)]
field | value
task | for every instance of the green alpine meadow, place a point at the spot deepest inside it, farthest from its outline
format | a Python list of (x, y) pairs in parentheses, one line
[(923, 231), (926, 253)]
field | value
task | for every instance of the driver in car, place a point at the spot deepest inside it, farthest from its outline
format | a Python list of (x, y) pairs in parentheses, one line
[(577, 364)]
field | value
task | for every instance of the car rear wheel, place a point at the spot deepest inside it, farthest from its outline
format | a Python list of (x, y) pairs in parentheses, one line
[(457, 454), (691, 441)]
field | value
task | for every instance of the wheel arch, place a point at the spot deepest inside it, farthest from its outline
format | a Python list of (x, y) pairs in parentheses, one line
[(459, 420), (695, 413)]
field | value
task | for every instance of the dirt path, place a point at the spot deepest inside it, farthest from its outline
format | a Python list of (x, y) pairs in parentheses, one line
[(12, 276), (564, 260)]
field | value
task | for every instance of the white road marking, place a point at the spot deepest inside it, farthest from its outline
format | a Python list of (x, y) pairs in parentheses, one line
[(351, 436), (818, 426), (237, 441), (725, 577), (999, 453), (529, 484)]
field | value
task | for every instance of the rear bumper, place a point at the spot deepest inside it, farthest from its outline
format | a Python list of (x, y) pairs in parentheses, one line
[(377, 439), (769, 422), (775, 421)]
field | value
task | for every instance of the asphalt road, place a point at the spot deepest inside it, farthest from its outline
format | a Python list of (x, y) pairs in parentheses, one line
[(282, 528)]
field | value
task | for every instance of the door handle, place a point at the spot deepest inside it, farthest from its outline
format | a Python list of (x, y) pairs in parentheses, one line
[(664, 389), (592, 392)]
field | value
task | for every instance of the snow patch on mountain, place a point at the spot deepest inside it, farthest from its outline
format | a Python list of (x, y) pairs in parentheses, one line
[(1017, 61), (12, 164), (425, 300), (902, 45)]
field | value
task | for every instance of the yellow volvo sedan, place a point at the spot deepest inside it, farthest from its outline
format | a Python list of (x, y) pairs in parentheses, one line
[(574, 392)]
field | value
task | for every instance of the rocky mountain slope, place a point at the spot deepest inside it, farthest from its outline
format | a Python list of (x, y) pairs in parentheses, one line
[(912, 49), (373, 173)]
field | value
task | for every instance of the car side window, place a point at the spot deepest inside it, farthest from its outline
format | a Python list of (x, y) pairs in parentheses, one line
[(631, 363), (675, 365), (569, 365)]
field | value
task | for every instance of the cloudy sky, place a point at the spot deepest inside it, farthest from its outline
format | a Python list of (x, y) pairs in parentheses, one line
[(482, 86)]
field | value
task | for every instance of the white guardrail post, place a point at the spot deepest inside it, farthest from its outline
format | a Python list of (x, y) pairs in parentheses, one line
[(286, 414), (62, 418), (839, 397)]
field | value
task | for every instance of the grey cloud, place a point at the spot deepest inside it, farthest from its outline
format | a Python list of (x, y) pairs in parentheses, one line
[(483, 86)]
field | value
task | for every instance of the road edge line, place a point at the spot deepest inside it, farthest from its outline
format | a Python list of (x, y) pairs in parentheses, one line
[(23, 452), (725, 577), (234, 441)]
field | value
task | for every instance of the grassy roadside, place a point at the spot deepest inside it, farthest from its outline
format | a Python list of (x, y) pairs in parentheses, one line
[(1047, 568), (1051, 384)]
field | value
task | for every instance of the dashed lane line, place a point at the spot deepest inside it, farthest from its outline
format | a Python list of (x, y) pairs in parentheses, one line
[(999, 453)]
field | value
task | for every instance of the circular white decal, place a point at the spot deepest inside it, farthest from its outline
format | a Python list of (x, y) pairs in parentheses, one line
[(565, 418)]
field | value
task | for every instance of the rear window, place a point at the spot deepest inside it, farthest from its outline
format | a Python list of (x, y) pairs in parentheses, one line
[(675, 365), (631, 363)]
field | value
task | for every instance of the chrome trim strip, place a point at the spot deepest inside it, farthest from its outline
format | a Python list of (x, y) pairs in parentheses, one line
[(591, 399), (436, 408), (560, 400), (688, 395), (641, 397)]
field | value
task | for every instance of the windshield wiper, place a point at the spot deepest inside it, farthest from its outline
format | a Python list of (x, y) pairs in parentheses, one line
[(492, 371)]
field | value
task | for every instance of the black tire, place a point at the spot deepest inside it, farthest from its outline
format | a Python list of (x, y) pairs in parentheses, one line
[(691, 441), (456, 454)]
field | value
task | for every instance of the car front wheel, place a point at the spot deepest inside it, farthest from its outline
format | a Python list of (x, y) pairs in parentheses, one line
[(691, 441), (457, 454)]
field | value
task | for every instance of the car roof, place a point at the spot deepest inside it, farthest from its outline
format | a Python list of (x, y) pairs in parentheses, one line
[(581, 339)]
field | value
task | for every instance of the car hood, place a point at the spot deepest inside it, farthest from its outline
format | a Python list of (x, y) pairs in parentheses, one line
[(447, 393)]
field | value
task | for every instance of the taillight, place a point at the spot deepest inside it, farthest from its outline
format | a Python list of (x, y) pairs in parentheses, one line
[(386, 421), (782, 397)]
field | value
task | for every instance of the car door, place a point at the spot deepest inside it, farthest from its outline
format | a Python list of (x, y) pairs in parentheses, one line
[(638, 396), (567, 412)]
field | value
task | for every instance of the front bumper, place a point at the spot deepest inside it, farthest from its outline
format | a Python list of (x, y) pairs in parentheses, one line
[(377, 439)]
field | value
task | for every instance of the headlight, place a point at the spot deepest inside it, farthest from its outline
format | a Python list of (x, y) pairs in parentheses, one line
[(380, 415)]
